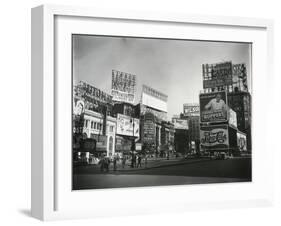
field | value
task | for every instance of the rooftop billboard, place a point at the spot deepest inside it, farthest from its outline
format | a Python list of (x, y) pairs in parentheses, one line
[(213, 107), (123, 86), (215, 75), (180, 123), (153, 98), (93, 98)]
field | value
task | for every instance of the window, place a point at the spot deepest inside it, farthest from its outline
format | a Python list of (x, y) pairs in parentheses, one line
[(92, 124), (95, 125), (111, 128), (86, 123)]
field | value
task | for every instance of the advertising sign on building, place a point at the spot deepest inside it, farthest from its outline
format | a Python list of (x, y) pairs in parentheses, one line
[(94, 98), (213, 107), (180, 123), (241, 141), (127, 126), (123, 86), (232, 118), (191, 110), (149, 129), (78, 107), (158, 114), (219, 74), (153, 98), (214, 136)]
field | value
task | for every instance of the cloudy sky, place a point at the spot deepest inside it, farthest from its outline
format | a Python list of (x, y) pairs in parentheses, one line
[(173, 67)]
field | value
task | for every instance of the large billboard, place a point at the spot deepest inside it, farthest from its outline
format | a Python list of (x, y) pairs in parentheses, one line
[(215, 75), (180, 123), (214, 136), (158, 114), (191, 110), (127, 126), (123, 86), (153, 98), (213, 107)]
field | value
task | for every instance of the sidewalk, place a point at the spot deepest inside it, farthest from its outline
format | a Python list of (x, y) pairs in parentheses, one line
[(157, 163)]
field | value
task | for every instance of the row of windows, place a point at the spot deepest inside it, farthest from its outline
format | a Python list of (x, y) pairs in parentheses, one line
[(93, 125), (96, 125)]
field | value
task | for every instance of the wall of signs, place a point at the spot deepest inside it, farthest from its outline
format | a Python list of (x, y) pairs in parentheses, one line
[(213, 107), (127, 126), (214, 136), (123, 86), (153, 98)]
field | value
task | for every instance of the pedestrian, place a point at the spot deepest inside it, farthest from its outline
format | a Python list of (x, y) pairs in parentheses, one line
[(139, 161), (115, 163), (135, 160), (145, 161), (123, 162), (106, 163), (101, 162), (132, 161)]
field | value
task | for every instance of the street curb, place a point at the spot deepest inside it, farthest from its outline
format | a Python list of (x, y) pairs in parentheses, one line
[(161, 166)]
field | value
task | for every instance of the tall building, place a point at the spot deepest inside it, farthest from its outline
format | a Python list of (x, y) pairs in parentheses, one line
[(240, 102), (227, 83)]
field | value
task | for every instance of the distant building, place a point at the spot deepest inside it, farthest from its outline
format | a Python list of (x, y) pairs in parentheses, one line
[(191, 112)]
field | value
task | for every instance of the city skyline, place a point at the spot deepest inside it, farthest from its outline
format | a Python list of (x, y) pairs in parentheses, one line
[(173, 67)]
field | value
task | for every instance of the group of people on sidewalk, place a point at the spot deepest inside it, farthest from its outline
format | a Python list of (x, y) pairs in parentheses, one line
[(136, 162)]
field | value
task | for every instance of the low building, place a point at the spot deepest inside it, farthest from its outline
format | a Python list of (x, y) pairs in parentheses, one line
[(94, 128)]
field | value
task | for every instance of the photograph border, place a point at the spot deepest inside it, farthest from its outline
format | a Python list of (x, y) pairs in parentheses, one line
[(43, 157)]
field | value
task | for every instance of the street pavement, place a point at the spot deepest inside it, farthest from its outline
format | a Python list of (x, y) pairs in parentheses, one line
[(165, 172)]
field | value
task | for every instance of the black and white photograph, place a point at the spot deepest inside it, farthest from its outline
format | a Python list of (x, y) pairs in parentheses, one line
[(159, 112)]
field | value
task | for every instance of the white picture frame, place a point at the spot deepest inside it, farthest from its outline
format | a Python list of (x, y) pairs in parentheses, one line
[(52, 197)]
